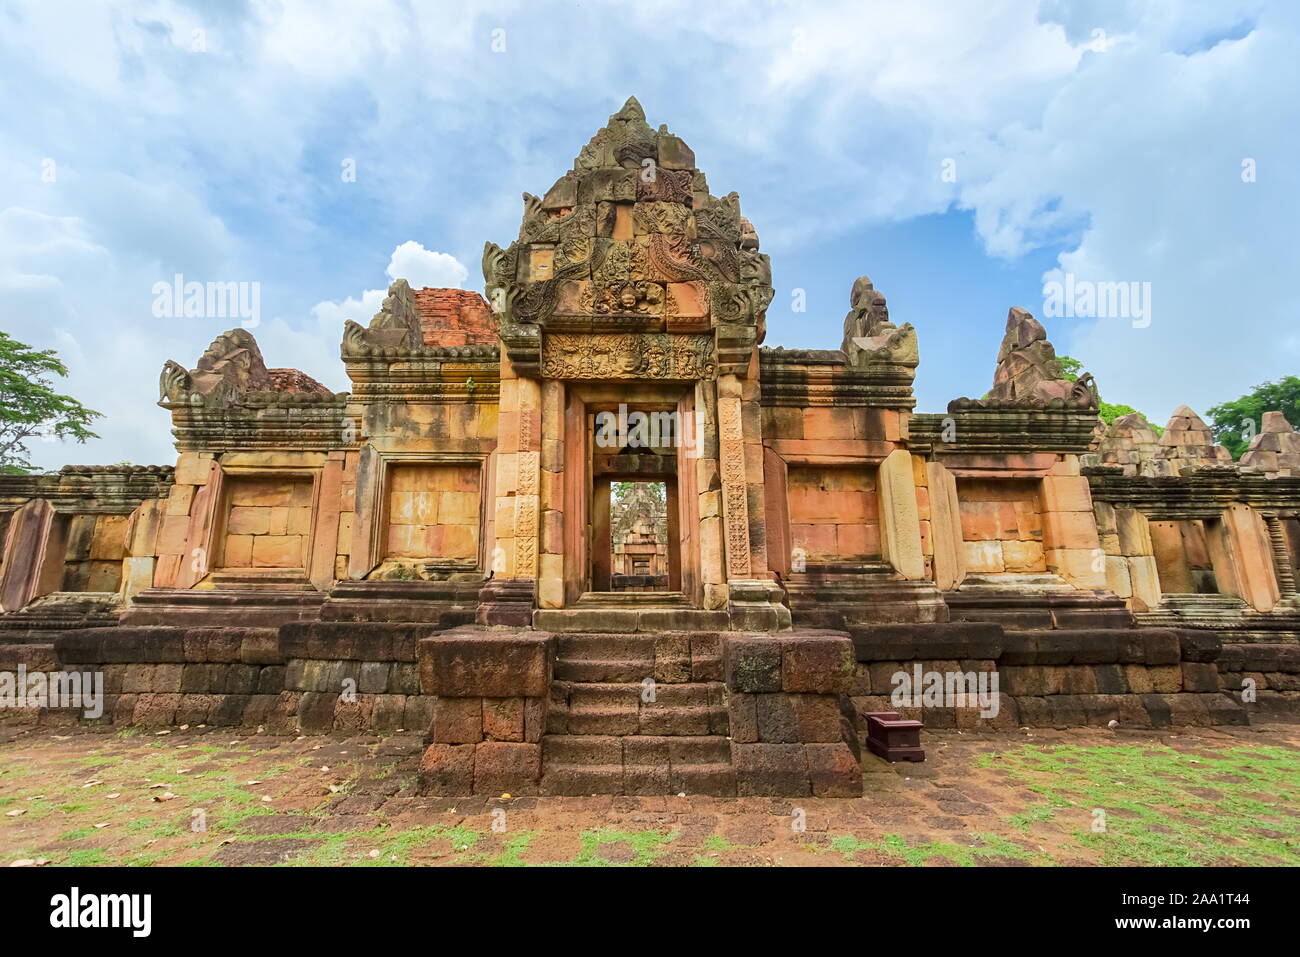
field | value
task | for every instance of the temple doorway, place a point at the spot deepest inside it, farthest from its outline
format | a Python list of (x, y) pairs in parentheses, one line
[(638, 534)]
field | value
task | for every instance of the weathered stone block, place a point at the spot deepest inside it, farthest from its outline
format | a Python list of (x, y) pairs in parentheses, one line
[(485, 664), (504, 767), (447, 769), (776, 718), (1200, 677), (817, 718), (503, 719), (777, 770), (817, 663), (457, 721), (753, 664)]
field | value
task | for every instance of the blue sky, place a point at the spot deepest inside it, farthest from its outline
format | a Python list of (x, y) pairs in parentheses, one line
[(1101, 139)]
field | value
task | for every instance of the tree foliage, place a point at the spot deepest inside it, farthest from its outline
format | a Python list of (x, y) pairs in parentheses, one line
[(1108, 412), (30, 407), (1228, 420)]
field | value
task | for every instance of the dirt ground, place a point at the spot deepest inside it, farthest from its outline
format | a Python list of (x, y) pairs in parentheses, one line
[(211, 796)]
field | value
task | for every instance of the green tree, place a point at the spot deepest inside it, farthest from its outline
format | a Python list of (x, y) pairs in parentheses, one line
[(1228, 421), (1108, 412), (29, 406)]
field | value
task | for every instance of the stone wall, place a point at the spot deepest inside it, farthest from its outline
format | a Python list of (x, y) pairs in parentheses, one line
[(1001, 525), (791, 730), (313, 678), (833, 513), (267, 523), (490, 692), (1140, 678)]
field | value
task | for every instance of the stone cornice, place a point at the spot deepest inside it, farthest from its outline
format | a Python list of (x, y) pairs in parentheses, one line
[(1196, 493), (1004, 429)]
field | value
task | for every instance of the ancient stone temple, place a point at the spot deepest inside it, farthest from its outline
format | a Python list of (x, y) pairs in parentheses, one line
[(439, 550)]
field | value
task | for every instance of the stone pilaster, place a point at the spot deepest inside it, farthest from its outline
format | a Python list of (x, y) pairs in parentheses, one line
[(731, 463), (551, 475), (1071, 545), (900, 524), (945, 527), (708, 484), (1251, 555)]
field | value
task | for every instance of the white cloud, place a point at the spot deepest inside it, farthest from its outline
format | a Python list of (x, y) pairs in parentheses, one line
[(224, 164), (423, 267)]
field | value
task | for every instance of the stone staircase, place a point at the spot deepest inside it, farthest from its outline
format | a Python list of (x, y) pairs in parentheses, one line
[(843, 594), (637, 714)]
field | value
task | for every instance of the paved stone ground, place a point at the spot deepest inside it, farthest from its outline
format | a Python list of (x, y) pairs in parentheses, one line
[(208, 796)]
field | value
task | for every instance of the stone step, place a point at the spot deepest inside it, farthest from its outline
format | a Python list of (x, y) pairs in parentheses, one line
[(613, 619), (640, 764), (632, 599), (581, 708), (604, 669), (227, 597), (581, 780), (604, 658), (605, 646), (571, 749)]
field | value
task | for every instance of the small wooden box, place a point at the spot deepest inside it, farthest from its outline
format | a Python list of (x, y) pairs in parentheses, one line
[(893, 738)]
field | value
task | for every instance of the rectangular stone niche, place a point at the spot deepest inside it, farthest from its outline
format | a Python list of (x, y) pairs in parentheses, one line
[(834, 513), (1001, 526), (1183, 557), (268, 522), (432, 512)]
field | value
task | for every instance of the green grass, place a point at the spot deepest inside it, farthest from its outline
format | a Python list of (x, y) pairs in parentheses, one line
[(1157, 808), (984, 848)]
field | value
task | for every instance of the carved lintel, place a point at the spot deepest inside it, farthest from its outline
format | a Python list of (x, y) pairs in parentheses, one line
[(628, 356)]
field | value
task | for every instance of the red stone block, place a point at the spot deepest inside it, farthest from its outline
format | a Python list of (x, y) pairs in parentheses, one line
[(485, 664), (447, 769), (833, 771), (503, 719), (778, 770), (504, 767), (457, 721), (817, 663)]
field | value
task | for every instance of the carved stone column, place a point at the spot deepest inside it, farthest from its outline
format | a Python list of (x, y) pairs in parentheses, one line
[(731, 465), (508, 598), (1281, 556)]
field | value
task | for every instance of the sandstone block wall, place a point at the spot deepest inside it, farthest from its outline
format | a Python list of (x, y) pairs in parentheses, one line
[(490, 693), (312, 678), (1145, 678), (1002, 526), (791, 732), (833, 513)]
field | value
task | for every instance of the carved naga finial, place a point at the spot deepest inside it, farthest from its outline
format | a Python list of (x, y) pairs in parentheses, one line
[(174, 384)]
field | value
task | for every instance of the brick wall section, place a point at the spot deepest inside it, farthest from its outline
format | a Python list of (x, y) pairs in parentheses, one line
[(490, 693), (455, 317), (309, 678), (791, 731), (1142, 678)]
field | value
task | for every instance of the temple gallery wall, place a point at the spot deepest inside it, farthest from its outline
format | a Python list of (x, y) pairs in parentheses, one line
[(463, 544)]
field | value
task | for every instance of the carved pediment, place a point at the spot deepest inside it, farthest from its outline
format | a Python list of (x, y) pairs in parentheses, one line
[(630, 239)]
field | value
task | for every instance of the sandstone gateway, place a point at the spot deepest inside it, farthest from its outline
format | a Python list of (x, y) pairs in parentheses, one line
[(433, 549)]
